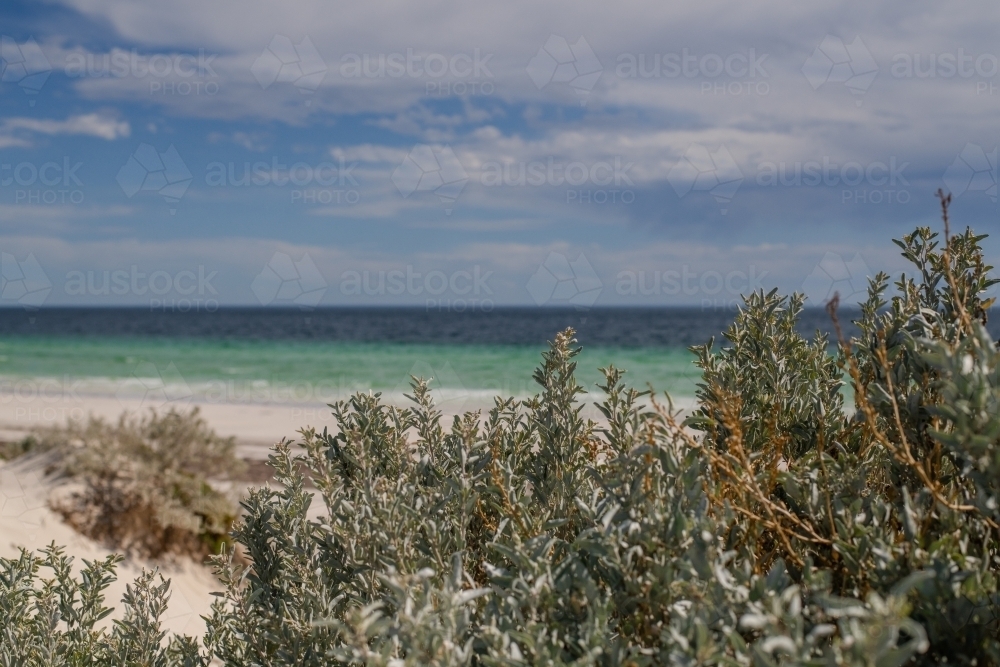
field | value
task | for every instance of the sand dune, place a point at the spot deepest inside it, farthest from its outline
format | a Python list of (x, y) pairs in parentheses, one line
[(26, 521)]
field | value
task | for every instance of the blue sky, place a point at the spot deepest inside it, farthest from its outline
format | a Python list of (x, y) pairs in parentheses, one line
[(460, 155)]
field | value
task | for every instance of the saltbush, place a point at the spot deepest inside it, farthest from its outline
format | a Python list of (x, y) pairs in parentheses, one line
[(774, 526), (144, 481)]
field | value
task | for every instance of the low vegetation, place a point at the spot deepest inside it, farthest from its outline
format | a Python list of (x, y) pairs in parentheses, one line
[(774, 527), (144, 484)]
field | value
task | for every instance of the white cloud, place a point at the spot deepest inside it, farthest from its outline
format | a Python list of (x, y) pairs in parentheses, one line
[(928, 116), (60, 219), (647, 121), (13, 130)]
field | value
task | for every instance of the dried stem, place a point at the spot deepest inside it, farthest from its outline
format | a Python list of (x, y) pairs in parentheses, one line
[(904, 455)]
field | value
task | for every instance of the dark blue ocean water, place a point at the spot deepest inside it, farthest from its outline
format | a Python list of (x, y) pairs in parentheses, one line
[(347, 350), (632, 328)]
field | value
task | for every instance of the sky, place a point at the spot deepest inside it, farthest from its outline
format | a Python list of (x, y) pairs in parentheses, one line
[(190, 155)]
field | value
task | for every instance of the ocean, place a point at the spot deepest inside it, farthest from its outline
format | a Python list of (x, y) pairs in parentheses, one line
[(261, 355), (262, 374)]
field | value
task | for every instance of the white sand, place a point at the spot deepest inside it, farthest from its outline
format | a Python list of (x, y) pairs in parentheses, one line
[(26, 521), (256, 426)]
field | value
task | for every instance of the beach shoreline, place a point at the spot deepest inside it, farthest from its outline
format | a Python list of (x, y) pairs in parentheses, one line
[(256, 426)]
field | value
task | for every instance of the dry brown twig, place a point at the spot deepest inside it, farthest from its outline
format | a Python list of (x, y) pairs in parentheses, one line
[(958, 298), (904, 455), (777, 517)]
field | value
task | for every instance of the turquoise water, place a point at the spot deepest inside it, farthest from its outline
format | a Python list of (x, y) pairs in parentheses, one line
[(244, 370)]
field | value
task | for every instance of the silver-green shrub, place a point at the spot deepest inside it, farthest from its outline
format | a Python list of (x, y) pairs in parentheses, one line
[(51, 618), (145, 481), (774, 526)]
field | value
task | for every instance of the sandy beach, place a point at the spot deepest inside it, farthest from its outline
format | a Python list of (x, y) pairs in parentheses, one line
[(257, 426), (27, 521)]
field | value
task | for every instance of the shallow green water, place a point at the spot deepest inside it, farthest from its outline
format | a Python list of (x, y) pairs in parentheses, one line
[(310, 371)]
